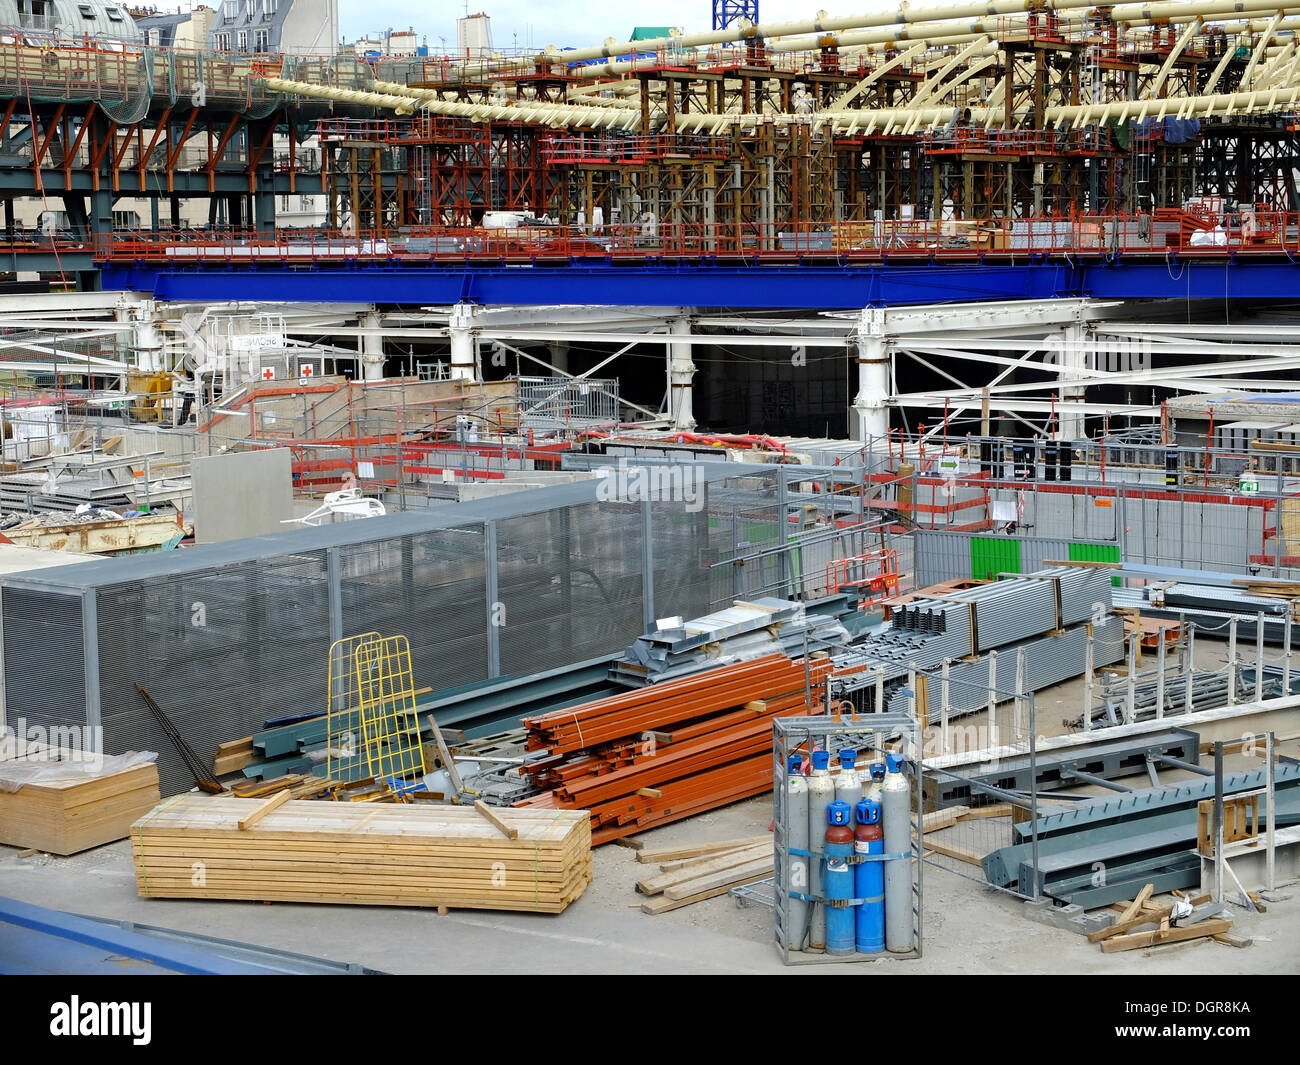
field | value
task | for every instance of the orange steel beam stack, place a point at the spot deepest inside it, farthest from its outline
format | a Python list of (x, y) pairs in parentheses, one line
[(661, 753)]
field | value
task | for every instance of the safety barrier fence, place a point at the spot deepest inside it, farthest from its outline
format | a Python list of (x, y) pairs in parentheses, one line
[(1257, 233)]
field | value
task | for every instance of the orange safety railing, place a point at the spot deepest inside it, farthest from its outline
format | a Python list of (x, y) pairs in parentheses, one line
[(1168, 231), (1042, 25), (633, 149), (376, 129), (879, 575)]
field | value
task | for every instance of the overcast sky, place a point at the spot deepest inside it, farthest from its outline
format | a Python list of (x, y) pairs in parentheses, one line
[(533, 24), (566, 22)]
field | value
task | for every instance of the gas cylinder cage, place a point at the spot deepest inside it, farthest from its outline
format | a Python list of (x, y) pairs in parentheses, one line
[(896, 732)]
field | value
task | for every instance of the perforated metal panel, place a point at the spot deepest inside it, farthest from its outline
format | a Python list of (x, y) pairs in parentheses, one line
[(743, 519), (680, 548), (229, 636), (570, 584), (221, 650), (430, 587), (44, 669)]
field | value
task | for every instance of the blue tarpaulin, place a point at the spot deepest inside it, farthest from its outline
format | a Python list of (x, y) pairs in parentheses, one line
[(1175, 130)]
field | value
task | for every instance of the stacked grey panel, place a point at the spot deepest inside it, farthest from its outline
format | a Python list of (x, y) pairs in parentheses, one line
[(1011, 610), (27, 492), (927, 617), (1199, 597), (1049, 660), (1083, 591), (1020, 611)]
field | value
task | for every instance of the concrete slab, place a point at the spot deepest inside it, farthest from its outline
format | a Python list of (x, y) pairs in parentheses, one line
[(969, 927), (243, 494)]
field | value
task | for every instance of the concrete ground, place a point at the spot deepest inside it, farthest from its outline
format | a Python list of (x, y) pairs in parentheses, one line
[(969, 927)]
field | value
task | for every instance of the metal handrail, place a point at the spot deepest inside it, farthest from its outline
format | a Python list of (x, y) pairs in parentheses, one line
[(1168, 232)]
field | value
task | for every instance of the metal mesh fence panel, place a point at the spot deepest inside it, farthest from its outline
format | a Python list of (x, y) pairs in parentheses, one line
[(44, 671), (570, 584), (679, 546), (228, 637), (429, 587), (222, 651), (972, 816), (744, 518)]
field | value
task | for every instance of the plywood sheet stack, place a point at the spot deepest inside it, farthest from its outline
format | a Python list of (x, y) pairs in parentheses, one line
[(194, 847), (76, 811)]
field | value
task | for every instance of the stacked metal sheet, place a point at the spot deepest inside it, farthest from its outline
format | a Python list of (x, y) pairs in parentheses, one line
[(1025, 611), (741, 631), (1197, 596), (24, 492), (1083, 592), (1011, 610), (1049, 660), (932, 617), (1211, 609)]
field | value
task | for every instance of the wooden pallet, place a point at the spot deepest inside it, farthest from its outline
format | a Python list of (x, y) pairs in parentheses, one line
[(362, 854), (1240, 821)]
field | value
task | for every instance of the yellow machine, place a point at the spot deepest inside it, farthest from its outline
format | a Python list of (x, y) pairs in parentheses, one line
[(148, 391)]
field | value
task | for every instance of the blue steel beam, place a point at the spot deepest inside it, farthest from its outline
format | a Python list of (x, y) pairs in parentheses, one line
[(36, 940), (805, 287), (808, 287), (39, 941), (1207, 279)]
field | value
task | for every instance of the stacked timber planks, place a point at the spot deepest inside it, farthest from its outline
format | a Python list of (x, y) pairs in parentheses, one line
[(688, 875), (282, 850), (77, 811), (647, 757)]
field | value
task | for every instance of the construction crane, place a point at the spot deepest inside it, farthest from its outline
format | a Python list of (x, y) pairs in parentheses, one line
[(727, 12)]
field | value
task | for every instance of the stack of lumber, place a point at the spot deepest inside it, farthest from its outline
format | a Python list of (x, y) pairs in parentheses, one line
[(671, 750), (1144, 923), (297, 785), (690, 874), (1268, 589), (285, 850), (73, 811)]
